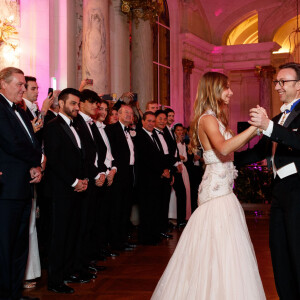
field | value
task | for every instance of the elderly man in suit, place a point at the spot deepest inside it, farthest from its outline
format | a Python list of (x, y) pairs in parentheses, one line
[(20, 158), (281, 142)]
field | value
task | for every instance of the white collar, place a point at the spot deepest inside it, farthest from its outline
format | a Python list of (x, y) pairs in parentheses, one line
[(86, 118), (287, 106), (100, 124), (31, 106), (67, 120)]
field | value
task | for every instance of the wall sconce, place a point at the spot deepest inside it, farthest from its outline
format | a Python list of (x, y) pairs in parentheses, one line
[(6, 31)]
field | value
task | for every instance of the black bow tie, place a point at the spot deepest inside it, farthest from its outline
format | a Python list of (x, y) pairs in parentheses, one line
[(126, 129), (72, 123), (14, 107), (160, 132)]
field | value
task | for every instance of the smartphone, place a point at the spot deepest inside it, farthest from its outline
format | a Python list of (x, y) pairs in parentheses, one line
[(50, 91), (135, 97), (107, 97), (89, 81)]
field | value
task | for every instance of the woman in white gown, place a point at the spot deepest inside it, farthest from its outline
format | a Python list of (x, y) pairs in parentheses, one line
[(214, 258), (178, 130)]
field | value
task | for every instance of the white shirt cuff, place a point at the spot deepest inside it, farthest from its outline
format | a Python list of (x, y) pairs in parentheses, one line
[(75, 183), (97, 177), (269, 130)]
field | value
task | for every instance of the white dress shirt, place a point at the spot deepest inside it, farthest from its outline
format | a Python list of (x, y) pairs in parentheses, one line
[(109, 158), (290, 168), (130, 144), (162, 141), (176, 151), (31, 106)]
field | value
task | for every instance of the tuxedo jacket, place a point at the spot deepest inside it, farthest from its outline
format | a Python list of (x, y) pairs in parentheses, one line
[(18, 153), (150, 161), (49, 116), (172, 147), (89, 144), (65, 160), (288, 139), (119, 146)]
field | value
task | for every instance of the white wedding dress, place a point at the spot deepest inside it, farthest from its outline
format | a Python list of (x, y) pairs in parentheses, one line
[(214, 258)]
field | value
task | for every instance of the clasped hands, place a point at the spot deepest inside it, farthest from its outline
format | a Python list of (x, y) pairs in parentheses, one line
[(259, 118), (35, 174), (81, 185)]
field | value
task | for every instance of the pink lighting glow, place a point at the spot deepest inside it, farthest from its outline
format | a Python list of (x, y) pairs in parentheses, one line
[(217, 50), (218, 12)]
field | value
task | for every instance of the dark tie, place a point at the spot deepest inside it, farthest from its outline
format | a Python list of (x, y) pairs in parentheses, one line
[(14, 107), (72, 124), (126, 129)]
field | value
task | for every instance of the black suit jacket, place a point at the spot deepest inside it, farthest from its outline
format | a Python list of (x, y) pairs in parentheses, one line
[(119, 146), (172, 147), (65, 160), (49, 116), (18, 153), (150, 161), (288, 139), (89, 145)]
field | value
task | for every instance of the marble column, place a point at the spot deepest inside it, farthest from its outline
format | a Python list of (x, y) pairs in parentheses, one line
[(188, 66), (142, 62), (265, 74), (95, 52), (119, 49)]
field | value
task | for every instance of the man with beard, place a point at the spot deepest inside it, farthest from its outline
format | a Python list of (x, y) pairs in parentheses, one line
[(66, 177)]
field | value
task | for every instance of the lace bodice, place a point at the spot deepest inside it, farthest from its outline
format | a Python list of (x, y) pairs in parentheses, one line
[(219, 173)]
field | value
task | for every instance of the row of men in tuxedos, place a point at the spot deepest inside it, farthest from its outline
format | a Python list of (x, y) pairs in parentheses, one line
[(156, 168)]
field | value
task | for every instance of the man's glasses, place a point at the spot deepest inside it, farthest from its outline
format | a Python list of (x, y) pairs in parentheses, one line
[(282, 82)]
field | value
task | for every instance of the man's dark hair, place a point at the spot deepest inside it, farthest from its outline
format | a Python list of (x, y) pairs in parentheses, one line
[(147, 113), (29, 78), (64, 94), (291, 65), (160, 111), (177, 125), (103, 101), (168, 110), (89, 95)]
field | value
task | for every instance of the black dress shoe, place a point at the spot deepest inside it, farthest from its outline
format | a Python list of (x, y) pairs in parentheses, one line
[(166, 236), (28, 298), (76, 279), (87, 275), (95, 268), (108, 253), (180, 225), (61, 288), (130, 245)]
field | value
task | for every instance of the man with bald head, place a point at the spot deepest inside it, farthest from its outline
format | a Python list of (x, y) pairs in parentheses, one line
[(20, 159)]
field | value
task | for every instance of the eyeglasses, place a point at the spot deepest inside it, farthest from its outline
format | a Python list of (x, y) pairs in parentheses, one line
[(282, 82)]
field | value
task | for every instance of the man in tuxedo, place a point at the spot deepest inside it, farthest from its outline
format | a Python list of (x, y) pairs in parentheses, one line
[(123, 152), (87, 240), (20, 159), (67, 182), (176, 170), (152, 169), (106, 164), (160, 124), (30, 97), (281, 142)]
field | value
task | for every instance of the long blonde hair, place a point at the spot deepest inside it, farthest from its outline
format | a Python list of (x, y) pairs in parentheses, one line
[(209, 93)]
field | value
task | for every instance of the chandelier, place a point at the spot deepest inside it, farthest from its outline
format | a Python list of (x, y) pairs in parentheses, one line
[(142, 9), (6, 31)]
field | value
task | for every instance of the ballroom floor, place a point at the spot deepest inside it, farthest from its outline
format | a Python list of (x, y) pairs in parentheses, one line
[(133, 275)]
